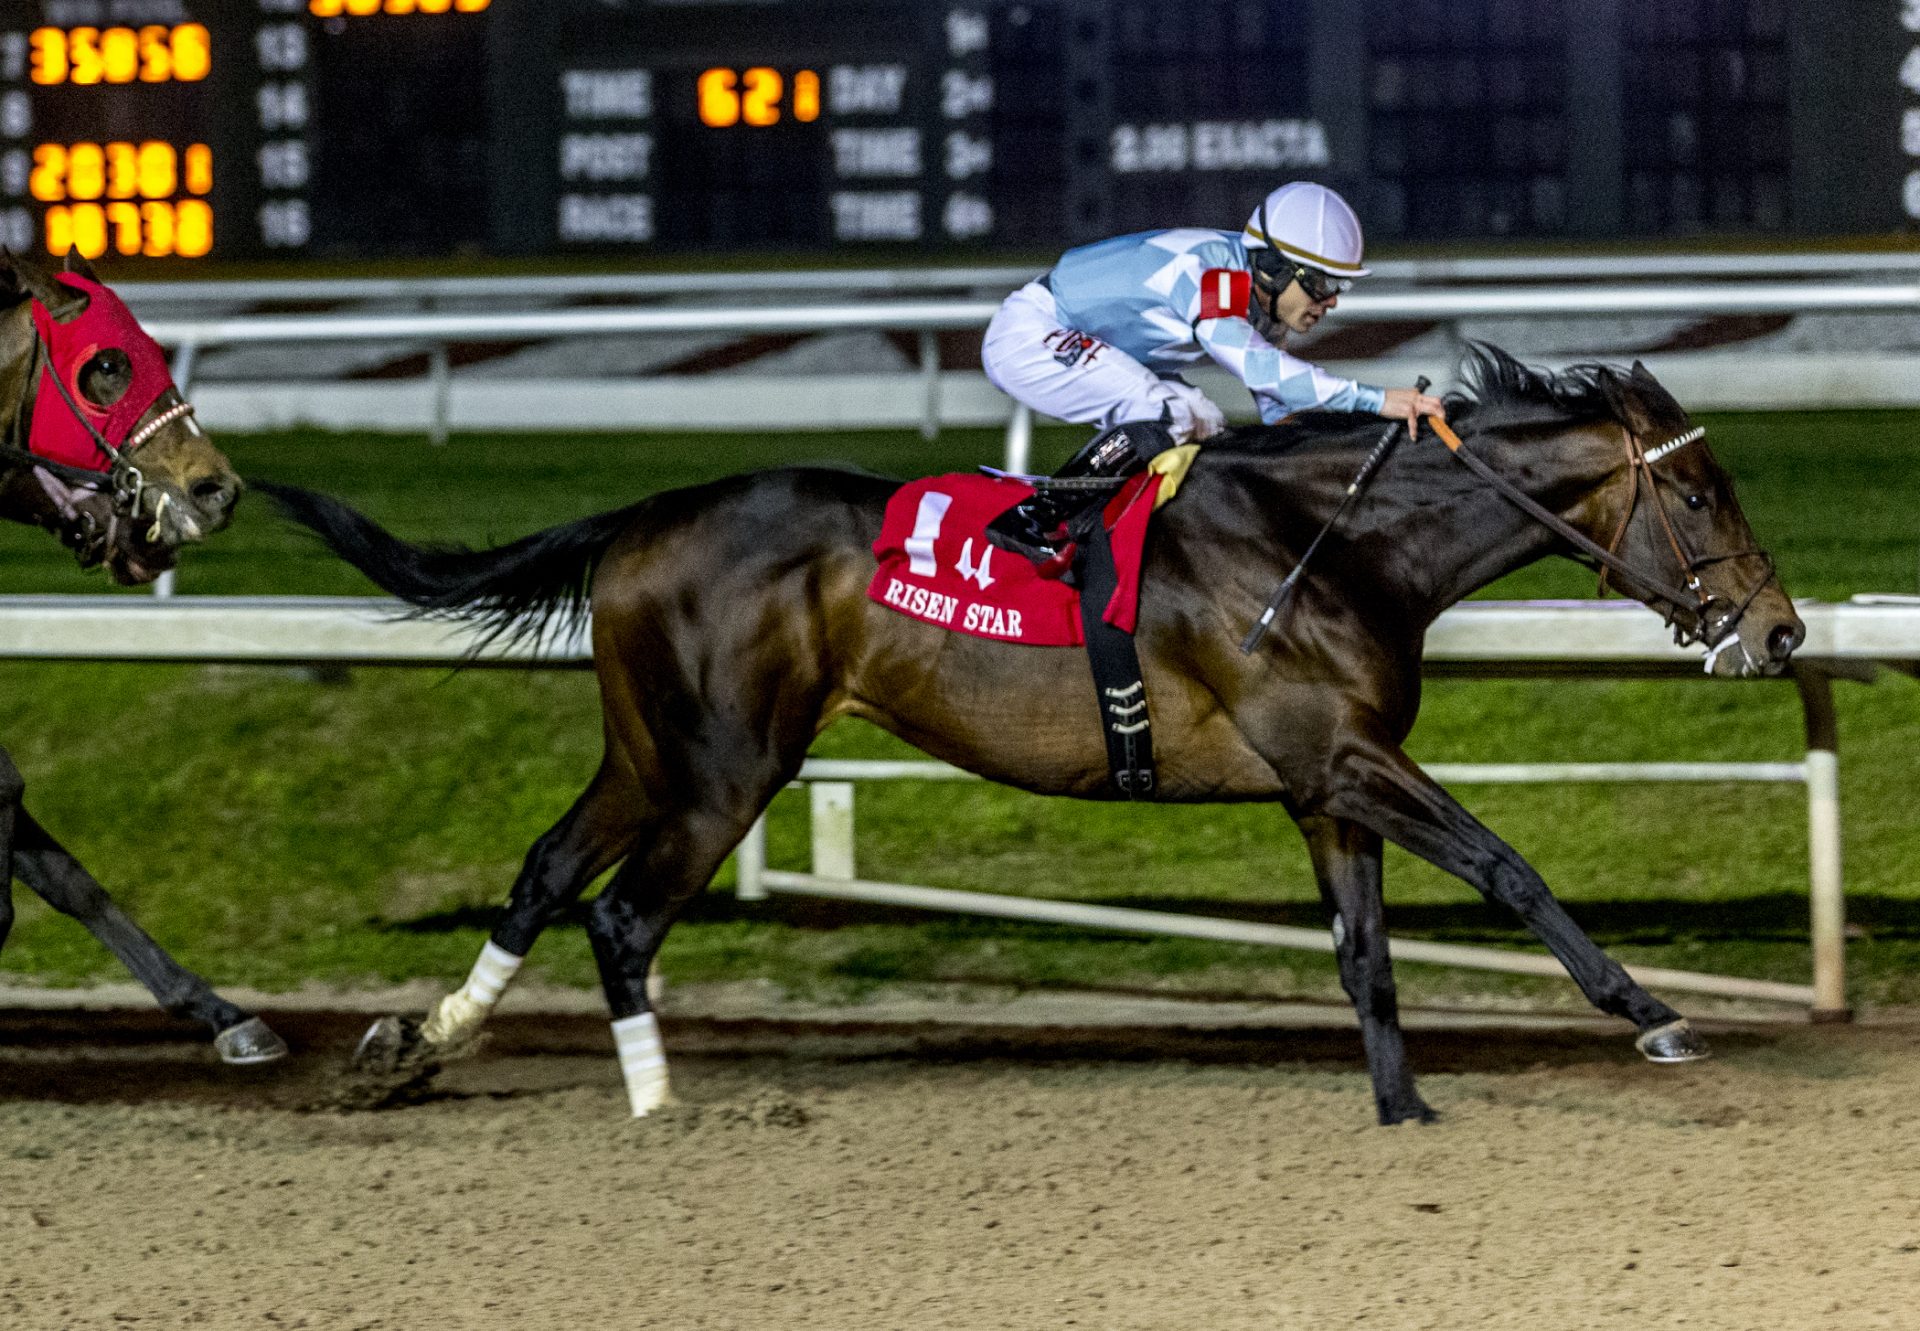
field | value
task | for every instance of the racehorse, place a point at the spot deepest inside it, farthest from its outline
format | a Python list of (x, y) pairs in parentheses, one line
[(97, 447), (731, 624)]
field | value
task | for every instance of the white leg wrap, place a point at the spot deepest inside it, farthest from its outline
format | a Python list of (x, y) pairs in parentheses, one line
[(461, 1012), (643, 1062)]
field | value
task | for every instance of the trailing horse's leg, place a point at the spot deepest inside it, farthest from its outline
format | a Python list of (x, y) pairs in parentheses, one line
[(593, 834), (628, 921), (47, 867), (1384, 789), (13, 787), (1346, 859)]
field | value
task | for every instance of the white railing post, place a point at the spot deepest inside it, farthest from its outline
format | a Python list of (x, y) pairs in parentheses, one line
[(1826, 885), (184, 357), (930, 371), (750, 863), (1019, 438), (832, 808), (440, 374)]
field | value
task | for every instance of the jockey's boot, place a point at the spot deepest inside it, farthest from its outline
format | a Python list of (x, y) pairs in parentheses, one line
[(1037, 526)]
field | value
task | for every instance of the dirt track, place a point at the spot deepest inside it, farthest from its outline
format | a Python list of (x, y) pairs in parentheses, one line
[(976, 1178)]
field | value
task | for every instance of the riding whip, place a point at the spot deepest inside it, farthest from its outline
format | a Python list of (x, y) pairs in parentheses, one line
[(1283, 594)]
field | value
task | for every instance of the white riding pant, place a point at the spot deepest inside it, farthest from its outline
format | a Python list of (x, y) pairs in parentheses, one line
[(1061, 372)]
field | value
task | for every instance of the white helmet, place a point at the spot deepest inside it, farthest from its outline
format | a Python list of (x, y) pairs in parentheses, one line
[(1309, 224)]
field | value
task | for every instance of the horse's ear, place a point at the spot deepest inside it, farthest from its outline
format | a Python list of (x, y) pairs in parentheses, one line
[(28, 277), (1625, 396), (76, 262)]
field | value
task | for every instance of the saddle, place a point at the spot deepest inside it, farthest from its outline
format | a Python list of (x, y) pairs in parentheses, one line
[(936, 565)]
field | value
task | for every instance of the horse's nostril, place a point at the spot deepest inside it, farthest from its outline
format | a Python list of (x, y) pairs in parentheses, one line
[(1782, 641), (214, 497)]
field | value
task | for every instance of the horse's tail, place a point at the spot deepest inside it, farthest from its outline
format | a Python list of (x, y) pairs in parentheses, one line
[(523, 590)]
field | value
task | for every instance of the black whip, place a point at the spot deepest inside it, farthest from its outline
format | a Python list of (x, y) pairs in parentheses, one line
[(1283, 594)]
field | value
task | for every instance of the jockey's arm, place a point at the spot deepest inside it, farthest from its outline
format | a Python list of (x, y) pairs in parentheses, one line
[(1281, 383)]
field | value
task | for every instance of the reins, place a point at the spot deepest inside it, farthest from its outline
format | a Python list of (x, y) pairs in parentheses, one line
[(1716, 633)]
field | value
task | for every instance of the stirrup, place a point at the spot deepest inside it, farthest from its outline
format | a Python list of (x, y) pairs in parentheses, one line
[(1018, 531)]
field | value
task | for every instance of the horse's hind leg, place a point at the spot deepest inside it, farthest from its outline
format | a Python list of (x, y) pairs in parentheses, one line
[(1346, 859), (630, 917), (592, 835), (46, 867)]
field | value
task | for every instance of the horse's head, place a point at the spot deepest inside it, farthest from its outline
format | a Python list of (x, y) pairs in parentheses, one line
[(99, 447), (1670, 511)]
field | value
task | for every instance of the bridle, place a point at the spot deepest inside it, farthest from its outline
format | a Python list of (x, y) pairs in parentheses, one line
[(120, 477), (1715, 631), (1692, 614)]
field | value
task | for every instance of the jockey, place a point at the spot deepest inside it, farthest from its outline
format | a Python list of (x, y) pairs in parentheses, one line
[(1102, 338)]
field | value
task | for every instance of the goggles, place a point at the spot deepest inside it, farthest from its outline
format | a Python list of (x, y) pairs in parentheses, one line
[(1276, 271), (1320, 287)]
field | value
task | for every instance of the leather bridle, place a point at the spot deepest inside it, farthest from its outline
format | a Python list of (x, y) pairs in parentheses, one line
[(1690, 611), (1714, 631), (121, 478)]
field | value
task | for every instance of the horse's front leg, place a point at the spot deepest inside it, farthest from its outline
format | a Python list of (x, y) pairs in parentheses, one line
[(1346, 859), (44, 865), (1383, 789)]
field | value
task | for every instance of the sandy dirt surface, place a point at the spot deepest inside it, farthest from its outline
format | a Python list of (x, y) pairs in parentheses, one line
[(961, 1176)]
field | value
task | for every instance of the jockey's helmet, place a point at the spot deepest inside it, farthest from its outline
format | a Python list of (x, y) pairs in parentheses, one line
[(1305, 232)]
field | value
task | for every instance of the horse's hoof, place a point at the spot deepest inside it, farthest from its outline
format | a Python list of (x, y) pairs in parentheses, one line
[(1416, 1111), (250, 1042), (388, 1044), (1675, 1042)]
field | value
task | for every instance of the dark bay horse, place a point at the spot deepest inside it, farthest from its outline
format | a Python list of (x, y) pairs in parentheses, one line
[(731, 625), (97, 447)]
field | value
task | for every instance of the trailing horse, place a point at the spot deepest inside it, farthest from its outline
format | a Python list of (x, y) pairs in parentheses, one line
[(97, 447), (731, 625)]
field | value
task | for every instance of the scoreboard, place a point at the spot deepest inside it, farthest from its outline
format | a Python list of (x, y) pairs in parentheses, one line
[(177, 132)]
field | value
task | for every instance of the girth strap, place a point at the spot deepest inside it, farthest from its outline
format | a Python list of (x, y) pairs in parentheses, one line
[(1117, 682)]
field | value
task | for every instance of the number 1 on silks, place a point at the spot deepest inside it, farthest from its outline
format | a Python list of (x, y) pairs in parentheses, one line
[(1283, 594)]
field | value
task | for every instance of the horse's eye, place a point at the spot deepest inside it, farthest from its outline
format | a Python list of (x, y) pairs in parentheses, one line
[(1696, 501), (106, 377)]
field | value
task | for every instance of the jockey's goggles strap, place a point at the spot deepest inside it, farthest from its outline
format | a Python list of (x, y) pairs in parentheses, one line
[(1674, 596)]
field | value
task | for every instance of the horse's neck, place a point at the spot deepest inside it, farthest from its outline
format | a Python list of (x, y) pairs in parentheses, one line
[(17, 345), (1475, 535), (20, 500), (1429, 532)]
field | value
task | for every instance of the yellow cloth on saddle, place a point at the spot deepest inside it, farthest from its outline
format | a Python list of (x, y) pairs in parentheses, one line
[(1171, 467)]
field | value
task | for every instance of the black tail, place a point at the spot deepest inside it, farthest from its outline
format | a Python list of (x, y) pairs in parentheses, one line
[(523, 590)]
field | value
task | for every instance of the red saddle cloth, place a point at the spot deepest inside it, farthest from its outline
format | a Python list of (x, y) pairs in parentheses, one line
[(937, 565)]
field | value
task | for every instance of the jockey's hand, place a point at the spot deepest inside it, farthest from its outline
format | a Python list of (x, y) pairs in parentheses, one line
[(1409, 404)]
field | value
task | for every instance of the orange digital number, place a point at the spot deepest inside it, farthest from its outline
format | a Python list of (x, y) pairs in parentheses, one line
[(147, 170), (806, 95), (363, 8), (157, 229), (760, 103), (719, 102), (153, 54), (754, 97), (199, 168), (49, 56)]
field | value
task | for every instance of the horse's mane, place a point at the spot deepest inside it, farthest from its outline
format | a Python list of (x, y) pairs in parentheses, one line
[(1499, 391)]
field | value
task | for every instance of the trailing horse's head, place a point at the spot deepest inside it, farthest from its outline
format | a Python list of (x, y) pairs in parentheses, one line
[(99, 446), (1671, 511)]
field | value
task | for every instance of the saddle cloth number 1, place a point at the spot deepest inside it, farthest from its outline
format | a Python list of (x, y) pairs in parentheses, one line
[(921, 558)]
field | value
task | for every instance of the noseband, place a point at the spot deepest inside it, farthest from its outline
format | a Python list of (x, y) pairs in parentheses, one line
[(1715, 630)]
